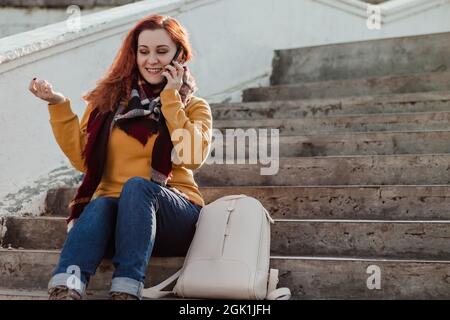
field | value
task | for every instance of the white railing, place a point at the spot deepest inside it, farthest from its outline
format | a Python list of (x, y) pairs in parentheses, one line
[(233, 42), (391, 11)]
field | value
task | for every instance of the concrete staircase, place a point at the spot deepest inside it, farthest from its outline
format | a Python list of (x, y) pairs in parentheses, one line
[(363, 178)]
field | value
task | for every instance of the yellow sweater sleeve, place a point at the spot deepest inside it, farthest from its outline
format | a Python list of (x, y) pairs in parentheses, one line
[(196, 120), (70, 134)]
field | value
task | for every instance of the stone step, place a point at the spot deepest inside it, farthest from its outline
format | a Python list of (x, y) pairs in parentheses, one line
[(307, 277), (321, 202), (353, 143), (31, 269), (332, 144), (22, 294), (404, 55), (337, 144), (366, 143), (42, 294), (389, 103), (418, 121), (30, 294), (435, 81), (335, 278), (332, 170), (364, 239), (389, 239)]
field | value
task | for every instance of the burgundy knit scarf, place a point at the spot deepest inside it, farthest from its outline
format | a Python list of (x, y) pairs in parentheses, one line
[(140, 118)]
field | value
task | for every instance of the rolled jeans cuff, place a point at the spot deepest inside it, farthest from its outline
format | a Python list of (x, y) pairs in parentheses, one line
[(127, 285), (69, 280)]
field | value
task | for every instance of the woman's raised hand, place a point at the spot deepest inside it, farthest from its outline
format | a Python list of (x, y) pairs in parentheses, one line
[(44, 90)]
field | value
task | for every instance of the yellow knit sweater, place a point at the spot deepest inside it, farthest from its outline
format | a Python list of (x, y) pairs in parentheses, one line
[(126, 157)]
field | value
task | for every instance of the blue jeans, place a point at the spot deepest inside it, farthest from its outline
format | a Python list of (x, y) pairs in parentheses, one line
[(146, 220)]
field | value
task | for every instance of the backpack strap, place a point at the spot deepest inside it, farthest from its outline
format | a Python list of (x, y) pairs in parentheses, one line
[(156, 292), (272, 292)]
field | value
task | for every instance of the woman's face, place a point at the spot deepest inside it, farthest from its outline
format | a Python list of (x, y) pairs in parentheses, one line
[(155, 50)]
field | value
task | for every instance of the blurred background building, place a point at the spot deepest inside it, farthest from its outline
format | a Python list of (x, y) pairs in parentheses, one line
[(23, 15)]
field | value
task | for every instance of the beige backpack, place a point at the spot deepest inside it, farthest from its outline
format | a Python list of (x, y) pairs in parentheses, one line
[(229, 255)]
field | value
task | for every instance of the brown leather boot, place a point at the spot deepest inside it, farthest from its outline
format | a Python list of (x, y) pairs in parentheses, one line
[(122, 296), (63, 293)]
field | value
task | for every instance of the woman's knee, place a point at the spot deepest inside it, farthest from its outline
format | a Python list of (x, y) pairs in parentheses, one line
[(140, 185), (137, 196)]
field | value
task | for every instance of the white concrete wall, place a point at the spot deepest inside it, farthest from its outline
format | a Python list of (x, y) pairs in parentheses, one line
[(17, 20), (233, 41)]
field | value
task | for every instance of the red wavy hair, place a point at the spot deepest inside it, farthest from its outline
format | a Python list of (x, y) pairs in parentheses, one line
[(115, 86)]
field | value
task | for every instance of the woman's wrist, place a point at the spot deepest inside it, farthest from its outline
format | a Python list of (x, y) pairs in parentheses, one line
[(57, 99)]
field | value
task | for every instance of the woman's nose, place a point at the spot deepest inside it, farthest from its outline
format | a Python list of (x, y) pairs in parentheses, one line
[(152, 59)]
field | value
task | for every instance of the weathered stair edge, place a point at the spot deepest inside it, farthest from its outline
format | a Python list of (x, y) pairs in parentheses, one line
[(415, 121), (346, 144), (40, 294), (341, 238), (412, 54), (389, 103), (307, 277), (333, 170), (374, 202), (434, 81)]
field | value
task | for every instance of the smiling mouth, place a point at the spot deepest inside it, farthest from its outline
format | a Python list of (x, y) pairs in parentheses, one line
[(153, 71)]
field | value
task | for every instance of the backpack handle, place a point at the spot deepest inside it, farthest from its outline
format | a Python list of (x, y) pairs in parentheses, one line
[(238, 196), (233, 196)]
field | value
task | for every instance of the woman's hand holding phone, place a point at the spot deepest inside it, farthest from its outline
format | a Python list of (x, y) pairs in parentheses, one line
[(174, 72), (174, 75)]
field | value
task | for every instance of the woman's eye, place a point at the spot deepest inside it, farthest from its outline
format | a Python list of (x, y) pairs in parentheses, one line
[(145, 52)]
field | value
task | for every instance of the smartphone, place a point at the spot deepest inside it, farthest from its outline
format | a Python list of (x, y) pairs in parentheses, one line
[(175, 57)]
